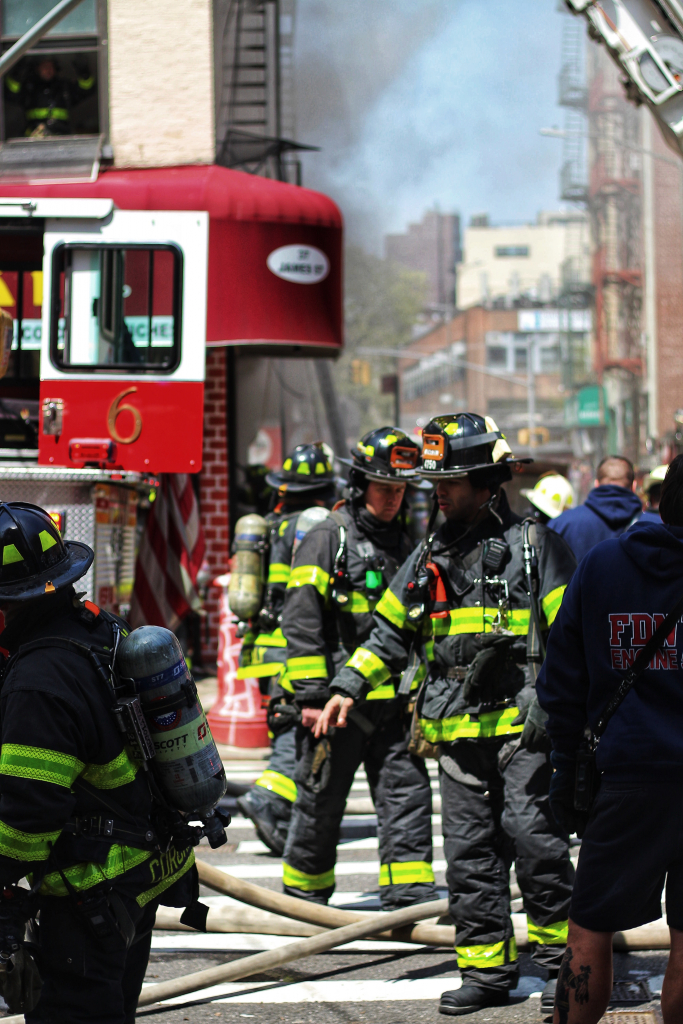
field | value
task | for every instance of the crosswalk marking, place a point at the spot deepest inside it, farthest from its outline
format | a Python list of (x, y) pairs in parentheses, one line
[(251, 846), (360, 867)]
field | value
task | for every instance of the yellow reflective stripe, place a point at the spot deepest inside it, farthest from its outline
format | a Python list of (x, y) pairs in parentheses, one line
[(26, 845), (12, 84), (471, 727), (478, 620), (170, 866), (387, 691), (83, 876), (312, 667), (548, 935), (302, 575), (307, 883), (118, 772), (274, 639), (405, 872), (40, 764), (392, 610), (285, 684), (278, 572), (268, 668), (56, 113), (551, 603), (494, 954), (277, 783), (358, 603), (86, 83), (429, 650), (372, 668)]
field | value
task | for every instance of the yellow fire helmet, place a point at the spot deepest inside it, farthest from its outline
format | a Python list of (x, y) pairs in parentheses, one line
[(552, 495), (654, 477)]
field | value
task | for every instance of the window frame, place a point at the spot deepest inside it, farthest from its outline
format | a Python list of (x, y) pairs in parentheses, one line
[(130, 369)]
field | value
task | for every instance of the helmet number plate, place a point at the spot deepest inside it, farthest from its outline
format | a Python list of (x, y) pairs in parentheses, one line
[(403, 458), (433, 447)]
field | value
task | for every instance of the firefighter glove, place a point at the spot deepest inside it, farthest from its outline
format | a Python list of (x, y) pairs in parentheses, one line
[(20, 982), (534, 738), (488, 667)]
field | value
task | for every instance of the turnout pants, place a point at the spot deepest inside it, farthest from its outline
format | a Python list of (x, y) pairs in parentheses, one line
[(82, 982), (400, 789), (490, 819)]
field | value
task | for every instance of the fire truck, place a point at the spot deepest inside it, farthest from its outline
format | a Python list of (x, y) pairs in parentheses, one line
[(117, 287)]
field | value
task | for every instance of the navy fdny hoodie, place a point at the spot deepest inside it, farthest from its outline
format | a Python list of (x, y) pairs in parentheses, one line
[(607, 512), (618, 595)]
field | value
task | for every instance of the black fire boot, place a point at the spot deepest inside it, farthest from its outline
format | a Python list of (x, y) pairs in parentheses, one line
[(271, 829), (548, 994), (471, 998)]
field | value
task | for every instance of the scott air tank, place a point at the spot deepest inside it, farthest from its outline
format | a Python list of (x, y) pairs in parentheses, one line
[(306, 522), (186, 763), (245, 590)]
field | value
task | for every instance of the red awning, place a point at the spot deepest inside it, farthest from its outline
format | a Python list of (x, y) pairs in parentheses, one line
[(249, 218)]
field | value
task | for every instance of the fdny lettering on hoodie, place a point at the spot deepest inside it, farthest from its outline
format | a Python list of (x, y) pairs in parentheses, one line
[(630, 631)]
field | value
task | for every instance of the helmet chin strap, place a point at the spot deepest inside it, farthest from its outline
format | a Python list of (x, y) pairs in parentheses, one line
[(493, 500)]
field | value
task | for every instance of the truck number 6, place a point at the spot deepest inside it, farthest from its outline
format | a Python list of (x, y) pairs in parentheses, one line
[(114, 409)]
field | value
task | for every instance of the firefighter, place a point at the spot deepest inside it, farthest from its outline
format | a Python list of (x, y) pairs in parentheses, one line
[(47, 98), (475, 599), (552, 495), (306, 479), (76, 810), (339, 573), (652, 489)]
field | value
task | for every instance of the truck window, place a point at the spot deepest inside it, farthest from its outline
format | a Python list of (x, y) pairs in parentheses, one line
[(116, 307)]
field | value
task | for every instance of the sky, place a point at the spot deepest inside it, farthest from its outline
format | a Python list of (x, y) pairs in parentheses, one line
[(417, 103)]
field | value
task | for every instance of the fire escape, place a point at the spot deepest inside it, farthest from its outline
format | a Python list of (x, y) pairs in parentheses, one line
[(255, 89)]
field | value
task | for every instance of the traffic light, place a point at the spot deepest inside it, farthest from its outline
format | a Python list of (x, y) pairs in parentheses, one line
[(360, 372)]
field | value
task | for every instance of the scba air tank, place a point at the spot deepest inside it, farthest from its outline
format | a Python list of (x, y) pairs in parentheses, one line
[(186, 763), (245, 590), (309, 518)]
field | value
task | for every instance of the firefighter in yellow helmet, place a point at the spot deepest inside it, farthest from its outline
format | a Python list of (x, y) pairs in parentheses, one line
[(551, 496)]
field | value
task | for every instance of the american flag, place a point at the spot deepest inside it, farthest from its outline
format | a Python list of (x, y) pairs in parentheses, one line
[(170, 556)]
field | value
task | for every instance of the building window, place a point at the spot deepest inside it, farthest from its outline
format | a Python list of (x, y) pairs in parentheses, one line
[(58, 88), (512, 250), (496, 357), (521, 357)]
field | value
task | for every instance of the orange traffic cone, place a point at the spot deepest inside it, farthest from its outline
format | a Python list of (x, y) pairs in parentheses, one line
[(237, 717)]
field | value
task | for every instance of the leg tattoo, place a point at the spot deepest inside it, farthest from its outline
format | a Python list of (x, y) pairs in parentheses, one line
[(566, 981)]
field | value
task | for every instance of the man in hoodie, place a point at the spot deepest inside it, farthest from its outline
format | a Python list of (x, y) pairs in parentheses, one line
[(620, 593), (610, 508)]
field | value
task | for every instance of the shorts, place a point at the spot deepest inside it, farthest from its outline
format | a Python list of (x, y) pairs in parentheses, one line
[(633, 843)]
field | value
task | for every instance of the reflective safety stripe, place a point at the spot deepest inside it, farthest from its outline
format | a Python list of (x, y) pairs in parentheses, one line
[(551, 603), (40, 113), (279, 572), (372, 668), (312, 667), (471, 727), (392, 610), (274, 639), (478, 620), (118, 772), (279, 784), (494, 954), (12, 84), (405, 872), (285, 684), (86, 83), (357, 604), (429, 650), (25, 845), (387, 691), (550, 935), (310, 574), (307, 883), (170, 866), (39, 763), (83, 876), (267, 668)]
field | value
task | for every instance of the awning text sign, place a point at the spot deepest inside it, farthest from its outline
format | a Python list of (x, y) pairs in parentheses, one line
[(301, 264)]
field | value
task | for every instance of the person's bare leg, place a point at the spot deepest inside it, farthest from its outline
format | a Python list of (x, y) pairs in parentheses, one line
[(672, 989), (584, 984)]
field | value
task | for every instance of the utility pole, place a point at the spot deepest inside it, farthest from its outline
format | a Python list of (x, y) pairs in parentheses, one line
[(531, 392)]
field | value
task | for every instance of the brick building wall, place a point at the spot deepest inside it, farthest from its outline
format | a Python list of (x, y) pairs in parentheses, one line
[(431, 247), (213, 491), (668, 236)]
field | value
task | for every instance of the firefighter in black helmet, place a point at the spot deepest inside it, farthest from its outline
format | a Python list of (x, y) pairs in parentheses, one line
[(76, 811), (306, 479), (475, 601), (339, 573)]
